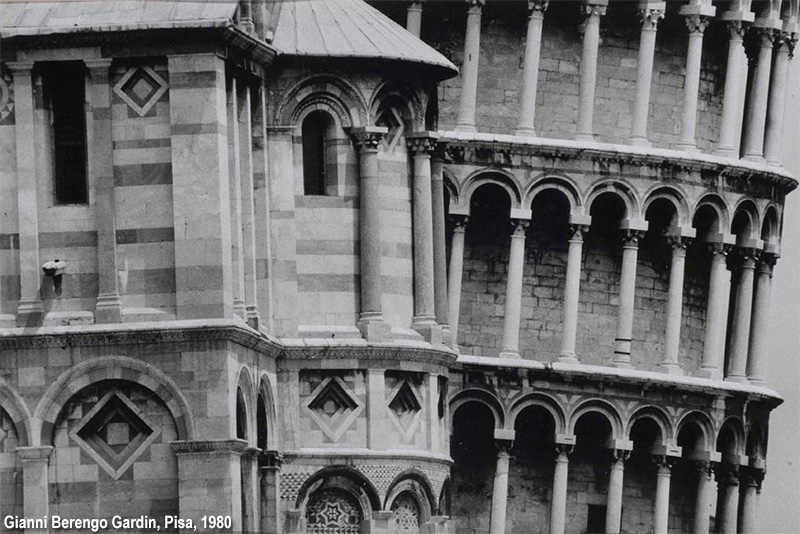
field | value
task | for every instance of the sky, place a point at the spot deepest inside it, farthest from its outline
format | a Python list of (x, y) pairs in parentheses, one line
[(779, 505)]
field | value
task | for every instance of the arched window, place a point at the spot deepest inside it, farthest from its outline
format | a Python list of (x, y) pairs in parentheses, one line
[(241, 415), (405, 515), (333, 511), (317, 132)]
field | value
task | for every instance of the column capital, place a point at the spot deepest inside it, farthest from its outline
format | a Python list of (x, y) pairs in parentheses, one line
[(679, 243), (619, 456), (563, 450), (766, 263), (422, 143), (763, 37), (475, 5), (696, 23), (459, 221), (577, 231), (270, 458), (20, 67), (664, 463), (650, 14), (520, 226), (537, 7), (34, 454), (726, 473), (704, 468), (752, 477), (744, 257), (415, 5), (630, 238), (737, 29), (368, 137), (98, 64), (719, 249), (596, 8)]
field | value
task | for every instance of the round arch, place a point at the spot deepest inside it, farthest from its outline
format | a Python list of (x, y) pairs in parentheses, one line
[(110, 368), (546, 402), (770, 225), (624, 191), (414, 481), (498, 177), (703, 422), (659, 417), (414, 101), (17, 410), (265, 395), (602, 407), (481, 397), (674, 195), (327, 90), (345, 478), (451, 184), (559, 183), (736, 426), (720, 207), (747, 207), (245, 384)]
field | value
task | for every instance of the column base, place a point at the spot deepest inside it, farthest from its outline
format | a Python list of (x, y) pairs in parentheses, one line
[(569, 358), (30, 312), (239, 309), (754, 157), (447, 335), (584, 137), (428, 329), (639, 141), (506, 353), (108, 309), (757, 381), (687, 147), (672, 369), (466, 128), (726, 152), (774, 163), (253, 317), (379, 524), (374, 328), (525, 132), (710, 373), (737, 379)]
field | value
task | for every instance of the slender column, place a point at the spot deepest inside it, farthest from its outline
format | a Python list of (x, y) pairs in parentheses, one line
[(261, 206), (591, 42), (627, 290), (702, 507), (35, 484), (727, 498), (759, 325), (420, 145), (649, 15), (740, 327), (615, 480), (672, 340), (414, 18), (371, 321), (516, 263), (664, 466), (749, 488), (572, 290), (691, 86), (533, 47), (500, 489), (469, 69), (719, 288), (558, 502), (773, 138), (235, 199), (735, 80), (108, 308), (246, 156), (30, 311), (757, 105), (456, 274), (439, 246)]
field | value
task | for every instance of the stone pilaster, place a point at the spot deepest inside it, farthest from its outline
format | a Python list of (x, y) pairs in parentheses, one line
[(270, 463), (261, 226), (235, 197), (439, 245), (35, 483)]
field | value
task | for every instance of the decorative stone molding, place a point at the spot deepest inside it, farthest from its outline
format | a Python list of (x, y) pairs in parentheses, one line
[(270, 459), (422, 142), (6, 98), (333, 407), (235, 446), (141, 87)]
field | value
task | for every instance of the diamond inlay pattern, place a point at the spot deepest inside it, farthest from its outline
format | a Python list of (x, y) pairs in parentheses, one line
[(405, 408), (114, 433), (140, 88), (333, 407), (6, 98)]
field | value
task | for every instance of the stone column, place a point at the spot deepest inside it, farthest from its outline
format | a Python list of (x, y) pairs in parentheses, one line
[(727, 498), (439, 246), (371, 321), (261, 227), (270, 463), (773, 137), (108, 308), (235, 198), (627, 291), (421, 144), (533, 47), (748, 505), (250, 488), (200, 187), (649, 15), (661, 519), (30, 311), (209, 479), (246, 156), (558, 502), (740, 326), (672, 337), (719, 288), (456, 274), (500, 486), (469, 69), (35, 483), (615, 480), (513, 309), (759, 94), (697, 24), (414, 18), (572, 290), (702, 508), (759, 325), (735, 80), (592, 11)]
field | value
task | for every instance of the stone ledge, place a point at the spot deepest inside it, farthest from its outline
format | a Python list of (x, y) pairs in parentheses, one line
[(237, 446)]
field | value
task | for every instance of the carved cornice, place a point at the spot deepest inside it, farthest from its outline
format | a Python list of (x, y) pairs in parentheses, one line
[(236, 446), (383, 352)]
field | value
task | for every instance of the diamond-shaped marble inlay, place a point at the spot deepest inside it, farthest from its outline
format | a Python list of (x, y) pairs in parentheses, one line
[(405, 408), (114, 433), (140, 88), (333, 407), (392, 120), (6, 96)]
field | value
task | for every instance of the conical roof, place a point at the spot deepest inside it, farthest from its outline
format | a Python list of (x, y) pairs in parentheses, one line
[(350, 29)]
